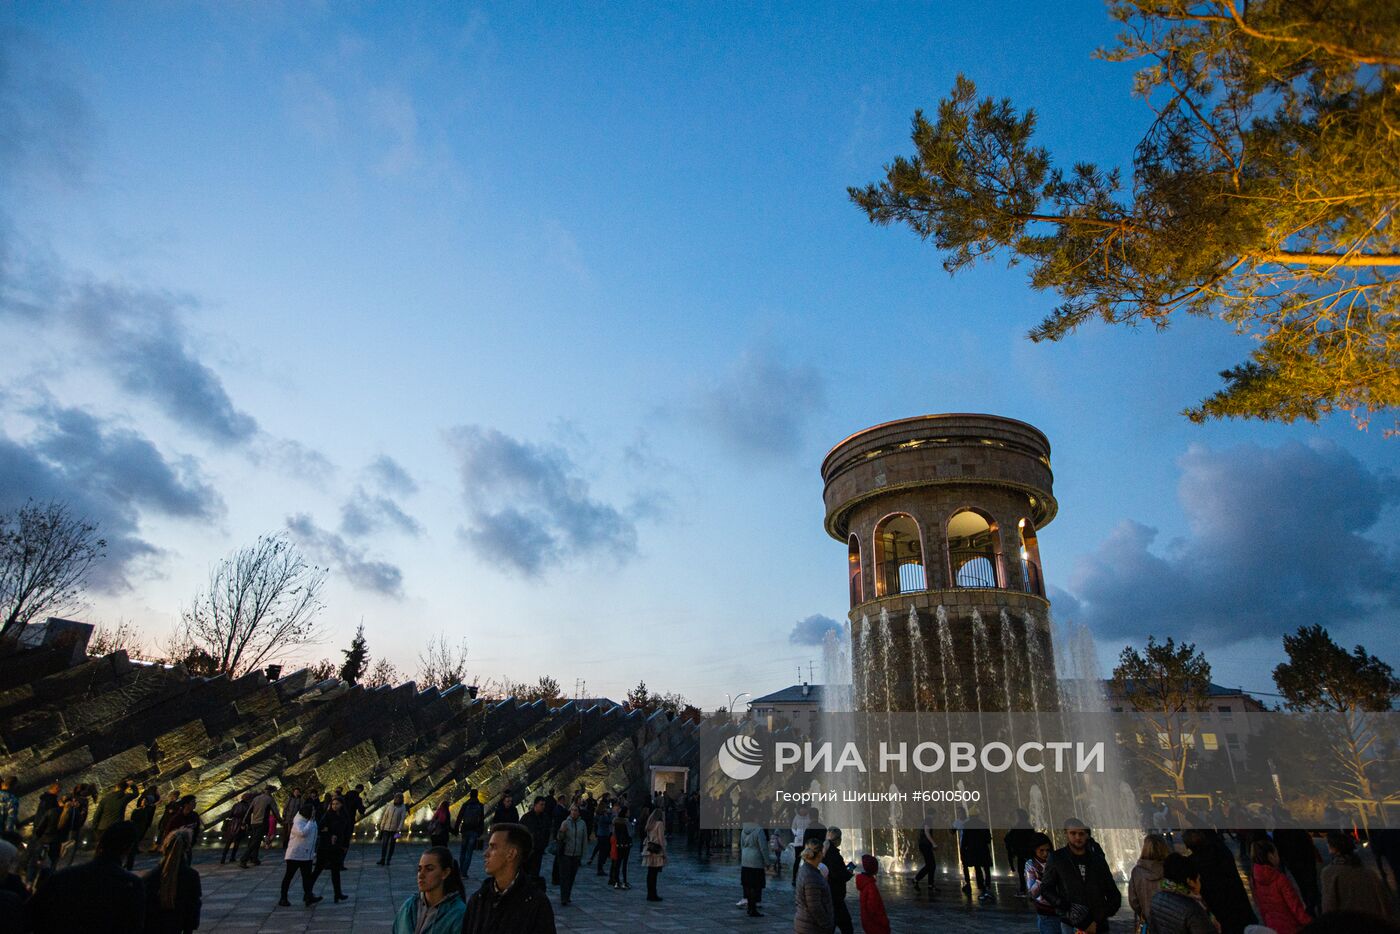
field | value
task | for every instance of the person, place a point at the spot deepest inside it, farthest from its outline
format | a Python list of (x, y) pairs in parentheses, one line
[(390, 823), (1349, 886), (753, 865), (260, 811), (173, 892), (293, 805), (469, 824), (1146, 876), (813, 912), (235, 827), (1298, 856), (1177, 907), (1018, 845), (96, 897), (621, 848), (47, 836), (143, 815), (1077, 883), (928, 848), (355, 803), (873, 919), (570, 842), (300, 851), (111, 808), (1047, 920), (1221, 887), (505, 811), (1280, 906), (602, 830), (183, 816), (13, 892), (9, 806), (837, 875), (654, 851), (439, 906), (333, 834), (440, 824), (975, 851), (510, 900), (537, 821), (71, 822), (815, 831), (800, 822)]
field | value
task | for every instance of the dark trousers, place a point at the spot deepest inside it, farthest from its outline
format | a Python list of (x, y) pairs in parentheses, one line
[(652, 873), (843, 917), (464, 858), (332, 858), (255, 841), (601, 849), (982, 873), (386, 846), (231, 845), (617, 875), (930, 867), (293, 867), (536, 861), (704, 848), (568, 871), (753, 881)]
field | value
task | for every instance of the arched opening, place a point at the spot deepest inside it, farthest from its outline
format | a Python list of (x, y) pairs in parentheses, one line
[(899, 556), (974, 550), (1030, 559), (857, 582)]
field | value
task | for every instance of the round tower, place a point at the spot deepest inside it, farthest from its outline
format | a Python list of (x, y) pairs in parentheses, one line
[(940, 515)]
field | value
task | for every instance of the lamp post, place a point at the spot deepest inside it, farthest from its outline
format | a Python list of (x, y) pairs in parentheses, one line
[(735, 699)]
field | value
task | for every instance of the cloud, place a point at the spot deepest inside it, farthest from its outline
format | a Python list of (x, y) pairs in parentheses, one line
[(528, 508), (47, 128), (1277, 540), (387, 474), (107, 474), (761, 405), (365, 512), (360, 570), (813, 630)]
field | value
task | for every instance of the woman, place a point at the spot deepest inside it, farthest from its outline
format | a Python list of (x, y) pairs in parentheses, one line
[(622, 848), (439, 890), (1279, 905), (1177, 908), (301, 849), (753, 863), (654, 851), (173, 892), (1047, 919), (234, 828), (927, 846), (1347, 885), (1146, 877), (332, 843), (389, 825), (440, 825)]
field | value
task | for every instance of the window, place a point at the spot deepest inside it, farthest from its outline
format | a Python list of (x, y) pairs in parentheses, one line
[(1210, 742), (899, 556), (974, 550), (1030, 559), (857, 583), (1226, 711)]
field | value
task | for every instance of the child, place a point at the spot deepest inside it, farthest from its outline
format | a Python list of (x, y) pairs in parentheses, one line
[(873, 919)]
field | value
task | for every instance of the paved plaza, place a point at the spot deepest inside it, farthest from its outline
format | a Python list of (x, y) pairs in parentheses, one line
[(697, 898)]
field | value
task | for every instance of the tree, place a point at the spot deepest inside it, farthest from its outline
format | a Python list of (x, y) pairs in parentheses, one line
[(1262, 194), (639, 698), (45, 555), (262, 602), (1322, 676), (383, 674), (124, 637), (1166, 684), (356, 657), (441, 665), (324, 670)]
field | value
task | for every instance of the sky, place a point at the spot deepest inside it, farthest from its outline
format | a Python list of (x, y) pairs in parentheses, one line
[(534, 323)]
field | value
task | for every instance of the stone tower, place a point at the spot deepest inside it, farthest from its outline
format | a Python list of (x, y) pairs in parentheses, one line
[(940, 515)]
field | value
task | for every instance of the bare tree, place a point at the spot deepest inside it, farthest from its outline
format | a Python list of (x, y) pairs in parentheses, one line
[(261, 603), (45, 555), (441, 665), (124, 637), (383, 674)]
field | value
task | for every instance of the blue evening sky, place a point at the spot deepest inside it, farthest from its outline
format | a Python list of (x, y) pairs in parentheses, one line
[(535, 322)]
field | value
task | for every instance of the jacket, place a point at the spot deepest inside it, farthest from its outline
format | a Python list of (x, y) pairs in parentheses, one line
[(521, 909), (873, 919), (110, 810), (656, 836), (391, 818), (335, 830), (262, 806), (572, 837), (189, 899), (1034, 870), (448, 919), (753, 847), (1221, 888), (470, 818), (233, 822), (301, 845), (837, 875), (98, 897), (1349, 886), (814, 911), (1174, 913), (1078, 899), (975, 848), (1279, 905), (1144, 882)]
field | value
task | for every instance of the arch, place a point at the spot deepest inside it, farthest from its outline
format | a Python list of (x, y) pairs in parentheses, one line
[(899, 556), (1030, 559), (855, 570), (974, 550)]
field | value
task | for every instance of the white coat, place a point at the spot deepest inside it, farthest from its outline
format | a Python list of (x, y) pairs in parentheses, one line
[(301, 845)]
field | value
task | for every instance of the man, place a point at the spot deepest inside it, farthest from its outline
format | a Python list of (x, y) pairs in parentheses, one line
[(800, 820), (294, 803), (571, 840), (1076, 882), (602, 832), (355, 803), (97, 897), (537, 821), (9, 807), (811, 896), (1019, 842), (510, 901), (469, 824), (143, 815), (505, 811), (1221, 888), (258, 813), (837, 875), (112, 808)]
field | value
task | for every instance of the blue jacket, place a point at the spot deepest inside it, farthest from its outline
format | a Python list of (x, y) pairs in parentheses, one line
[(448, 920)]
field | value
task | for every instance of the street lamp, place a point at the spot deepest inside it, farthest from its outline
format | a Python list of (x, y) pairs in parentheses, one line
[(735, 699)]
